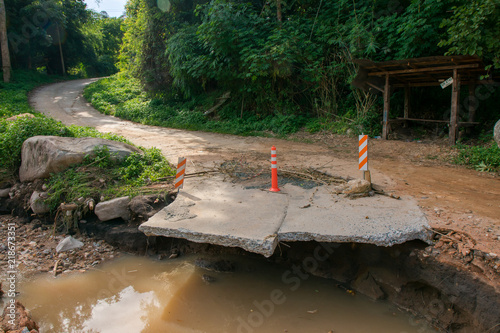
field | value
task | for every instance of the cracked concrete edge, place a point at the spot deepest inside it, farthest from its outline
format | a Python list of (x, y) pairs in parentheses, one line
[(385, 239), (265, 247)]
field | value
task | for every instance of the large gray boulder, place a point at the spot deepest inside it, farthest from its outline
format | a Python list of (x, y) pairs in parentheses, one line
[(113, 209), (496, 133), (43, 155)]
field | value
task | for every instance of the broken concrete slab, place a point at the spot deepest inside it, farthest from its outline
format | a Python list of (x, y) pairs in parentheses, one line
[(317, 214), (215, 211), (210, 210)]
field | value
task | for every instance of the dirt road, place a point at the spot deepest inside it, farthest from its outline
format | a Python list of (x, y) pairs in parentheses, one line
[(452, 197)]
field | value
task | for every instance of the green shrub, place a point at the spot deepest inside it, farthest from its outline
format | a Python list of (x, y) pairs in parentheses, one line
[(481, 158), (142, 169), (101, 176)]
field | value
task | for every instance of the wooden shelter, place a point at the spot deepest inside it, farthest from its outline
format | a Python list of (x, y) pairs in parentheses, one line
[(423, 72)]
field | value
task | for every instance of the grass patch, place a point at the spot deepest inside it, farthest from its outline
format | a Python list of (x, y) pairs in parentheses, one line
[(482, 158), (102, 177), (13, 95)]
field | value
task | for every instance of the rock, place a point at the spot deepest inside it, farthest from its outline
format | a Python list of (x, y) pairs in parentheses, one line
[(68, 243), (215, 265), (208, 278), (496, 133), (113, 209), (366, 285), (22, 115), (127, 238), (145, 206), (141, 205), (357, 186), (37, 203), (22, 318), (4, 193), (43, 155)]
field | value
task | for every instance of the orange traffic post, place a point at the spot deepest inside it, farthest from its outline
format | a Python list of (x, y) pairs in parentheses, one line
[(181, 170), (274, 171), (363, 157)]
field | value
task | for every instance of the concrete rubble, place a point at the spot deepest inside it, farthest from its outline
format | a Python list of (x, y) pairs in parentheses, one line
[(211, 210), (68, 243)]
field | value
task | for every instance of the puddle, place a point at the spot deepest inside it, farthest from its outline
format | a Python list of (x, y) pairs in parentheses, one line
[(136, 294)]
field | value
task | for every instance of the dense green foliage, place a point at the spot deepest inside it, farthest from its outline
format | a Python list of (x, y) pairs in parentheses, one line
[(39, 31), (292, 60), (474, 29)]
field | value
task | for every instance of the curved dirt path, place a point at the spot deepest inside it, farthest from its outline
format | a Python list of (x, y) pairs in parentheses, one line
[(452, 197)]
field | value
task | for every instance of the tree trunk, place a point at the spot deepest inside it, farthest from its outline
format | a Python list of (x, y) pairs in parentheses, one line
[(4, 43), (278, 11)]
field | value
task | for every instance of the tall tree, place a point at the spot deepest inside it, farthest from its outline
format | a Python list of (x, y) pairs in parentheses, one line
[(4, 44)]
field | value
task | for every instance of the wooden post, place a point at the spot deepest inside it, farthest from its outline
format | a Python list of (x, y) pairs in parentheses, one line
[(4, 43), (455, 94), (407, 102), (278, 11), (367, 176), (387, 100), (472, 102)]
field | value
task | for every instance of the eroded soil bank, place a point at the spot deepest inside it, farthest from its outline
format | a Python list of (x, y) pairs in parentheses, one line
[(451, 288)]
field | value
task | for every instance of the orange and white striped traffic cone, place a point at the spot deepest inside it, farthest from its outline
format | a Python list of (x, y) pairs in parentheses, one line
[(274, 171)]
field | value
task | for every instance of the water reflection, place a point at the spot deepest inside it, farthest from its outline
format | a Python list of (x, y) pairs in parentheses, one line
[(129, 308), (139, 295)]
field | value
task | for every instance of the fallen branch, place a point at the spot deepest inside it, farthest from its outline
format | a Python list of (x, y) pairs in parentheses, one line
[(390, 195), (222, 100), (55, 267), (188, 175)]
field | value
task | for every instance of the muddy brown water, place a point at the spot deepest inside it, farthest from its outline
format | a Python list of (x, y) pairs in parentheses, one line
[(136, 294)]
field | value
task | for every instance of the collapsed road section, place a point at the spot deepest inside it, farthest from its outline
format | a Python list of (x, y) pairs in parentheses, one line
[(215, 211)]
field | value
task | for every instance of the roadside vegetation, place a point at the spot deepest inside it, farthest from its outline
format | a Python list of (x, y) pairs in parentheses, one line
[(252, 68), (274, 69), (484, 157), (99, 177)]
